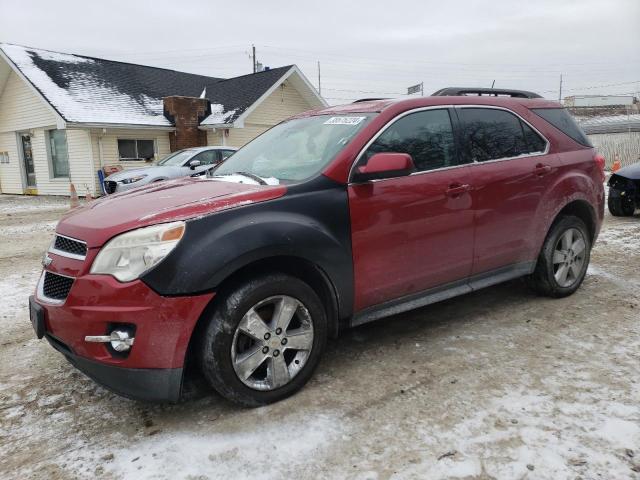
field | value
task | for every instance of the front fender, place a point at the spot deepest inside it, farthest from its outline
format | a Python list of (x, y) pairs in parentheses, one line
[(311, 223)]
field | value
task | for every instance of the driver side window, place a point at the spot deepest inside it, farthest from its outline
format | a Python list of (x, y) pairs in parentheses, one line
[(427, 136), (207, 157)]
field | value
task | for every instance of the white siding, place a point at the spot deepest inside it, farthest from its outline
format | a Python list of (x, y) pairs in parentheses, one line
[(284, 102), (10, 174), (214, 138), (108, 154), (21, 108)]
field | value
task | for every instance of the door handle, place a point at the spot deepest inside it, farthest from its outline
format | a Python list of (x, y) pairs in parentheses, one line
[(457, 189), (541, 169)]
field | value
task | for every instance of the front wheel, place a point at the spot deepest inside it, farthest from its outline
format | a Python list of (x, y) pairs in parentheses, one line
[(563, 261), (264, 340)]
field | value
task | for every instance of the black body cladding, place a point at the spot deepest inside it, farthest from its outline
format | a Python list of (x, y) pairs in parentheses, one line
[(310, 222)]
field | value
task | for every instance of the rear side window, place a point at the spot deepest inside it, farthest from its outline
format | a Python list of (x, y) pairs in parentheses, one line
[(427, 136), (563, 121), (535, 143), (491, 134)]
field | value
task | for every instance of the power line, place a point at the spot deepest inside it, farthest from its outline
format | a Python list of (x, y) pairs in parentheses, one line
[(413, 60)]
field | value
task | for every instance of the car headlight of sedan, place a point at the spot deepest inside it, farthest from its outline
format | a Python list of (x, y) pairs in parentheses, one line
[(129, 255), (133, 179)]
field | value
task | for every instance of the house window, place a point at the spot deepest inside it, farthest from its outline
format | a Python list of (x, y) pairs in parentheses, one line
[(4, 157), (58, 153), (136, 149)]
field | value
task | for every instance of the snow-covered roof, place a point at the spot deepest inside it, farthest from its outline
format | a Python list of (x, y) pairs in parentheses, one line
[(611, 124), (98, 91)]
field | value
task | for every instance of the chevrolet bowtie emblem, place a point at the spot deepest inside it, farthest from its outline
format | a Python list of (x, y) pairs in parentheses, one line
[(46, 260)]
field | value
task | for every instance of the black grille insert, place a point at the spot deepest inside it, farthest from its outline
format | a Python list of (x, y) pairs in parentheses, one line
[(55, 286), (110, 186), (69, 245)]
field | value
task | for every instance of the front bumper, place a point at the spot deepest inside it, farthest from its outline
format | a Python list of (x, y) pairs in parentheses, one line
[(97, 304), (111, 186), (153, 385)]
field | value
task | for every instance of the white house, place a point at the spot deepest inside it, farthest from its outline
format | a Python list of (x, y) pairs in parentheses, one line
[(65, 116)]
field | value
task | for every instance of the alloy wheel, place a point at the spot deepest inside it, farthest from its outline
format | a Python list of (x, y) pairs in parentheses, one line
[(272, 342), (569, 257)]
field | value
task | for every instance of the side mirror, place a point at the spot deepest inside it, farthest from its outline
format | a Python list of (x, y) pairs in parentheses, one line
[(193, 164), (385, 165)]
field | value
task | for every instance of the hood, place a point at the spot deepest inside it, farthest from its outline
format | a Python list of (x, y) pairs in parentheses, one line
[(121, 175), (632, 172), (100, 220)]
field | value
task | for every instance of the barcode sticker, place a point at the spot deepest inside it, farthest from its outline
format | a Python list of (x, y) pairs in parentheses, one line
[(344, 120)]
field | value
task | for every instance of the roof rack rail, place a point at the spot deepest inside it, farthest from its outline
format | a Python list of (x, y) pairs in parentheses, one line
[(458, 91), (369, 99)]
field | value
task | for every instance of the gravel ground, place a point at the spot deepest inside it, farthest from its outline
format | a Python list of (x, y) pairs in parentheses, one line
[(496, 384)]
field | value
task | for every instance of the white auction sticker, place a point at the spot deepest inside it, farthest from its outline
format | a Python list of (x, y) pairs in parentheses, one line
[(344, 120)]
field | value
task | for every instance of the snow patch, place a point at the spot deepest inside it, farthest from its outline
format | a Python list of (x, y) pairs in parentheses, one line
[(262, 450), (218, 115), (86, 98)]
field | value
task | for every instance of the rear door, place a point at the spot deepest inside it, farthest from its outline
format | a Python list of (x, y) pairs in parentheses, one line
[(415, 232), (510, 172)]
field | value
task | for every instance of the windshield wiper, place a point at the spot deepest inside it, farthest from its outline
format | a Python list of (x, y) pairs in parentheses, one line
[(252, 176)]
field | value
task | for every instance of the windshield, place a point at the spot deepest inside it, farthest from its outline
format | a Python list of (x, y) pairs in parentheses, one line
[(295, 150), (176, 158)]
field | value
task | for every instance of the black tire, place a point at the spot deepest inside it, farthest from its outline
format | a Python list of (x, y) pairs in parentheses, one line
[(216, 344), (621, 206), (543, 280)]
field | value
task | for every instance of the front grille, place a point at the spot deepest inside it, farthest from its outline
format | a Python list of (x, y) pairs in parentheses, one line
[(55, 286), (69, 245), (110, 186)]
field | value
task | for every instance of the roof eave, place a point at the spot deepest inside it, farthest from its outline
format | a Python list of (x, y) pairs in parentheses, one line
[(60, 120), (218, 125), (123, 126)]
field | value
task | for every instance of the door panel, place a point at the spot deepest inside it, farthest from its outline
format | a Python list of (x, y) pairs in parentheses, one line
[(507, 195), (408, 234), (510, 175)]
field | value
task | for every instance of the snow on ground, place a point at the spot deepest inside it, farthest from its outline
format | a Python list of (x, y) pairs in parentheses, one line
[(30, 228), (497, 384), (15, 290), (621, 236), (262, 449), (20, 204)]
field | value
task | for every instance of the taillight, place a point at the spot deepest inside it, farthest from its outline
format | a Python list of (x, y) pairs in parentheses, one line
[(600, 161)]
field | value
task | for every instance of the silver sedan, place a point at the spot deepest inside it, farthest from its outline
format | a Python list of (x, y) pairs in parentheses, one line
[(183, 163)]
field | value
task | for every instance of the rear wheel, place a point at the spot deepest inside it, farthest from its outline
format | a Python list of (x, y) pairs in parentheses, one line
[(264, 340), (621, 205), (563, 261)]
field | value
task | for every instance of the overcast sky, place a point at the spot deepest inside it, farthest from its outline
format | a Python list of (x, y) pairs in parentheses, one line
[(366, 48)]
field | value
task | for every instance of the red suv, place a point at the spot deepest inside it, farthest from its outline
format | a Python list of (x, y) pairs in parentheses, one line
[(331, 219)]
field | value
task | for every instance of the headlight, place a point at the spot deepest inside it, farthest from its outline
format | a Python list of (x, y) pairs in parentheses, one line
[(130, 254), (133, 179)]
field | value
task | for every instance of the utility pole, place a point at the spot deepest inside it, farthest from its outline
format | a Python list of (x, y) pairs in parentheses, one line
[(560, 93), (422, 89), (493, 83), (319, 84), (253, 56)]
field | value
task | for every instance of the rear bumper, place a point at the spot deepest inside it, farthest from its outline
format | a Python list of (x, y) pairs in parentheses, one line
[(154, 385)]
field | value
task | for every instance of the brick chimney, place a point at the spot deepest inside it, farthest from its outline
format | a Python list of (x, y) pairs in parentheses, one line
[(186, 113)]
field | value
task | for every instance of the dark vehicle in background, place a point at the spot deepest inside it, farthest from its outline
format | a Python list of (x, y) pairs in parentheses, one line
[(624, 191), (331, 219)]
